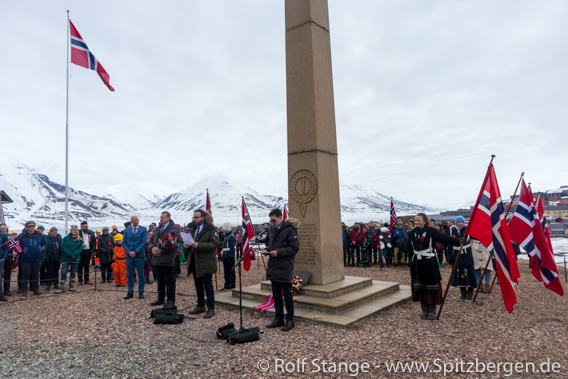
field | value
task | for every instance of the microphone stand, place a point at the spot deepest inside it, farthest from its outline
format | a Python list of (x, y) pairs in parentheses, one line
[(238, 263)]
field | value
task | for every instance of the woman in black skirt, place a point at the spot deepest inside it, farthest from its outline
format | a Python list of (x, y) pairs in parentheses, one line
[(464, 277), (424, 270)]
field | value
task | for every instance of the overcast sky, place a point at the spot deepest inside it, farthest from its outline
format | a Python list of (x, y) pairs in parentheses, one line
[(425, 92)]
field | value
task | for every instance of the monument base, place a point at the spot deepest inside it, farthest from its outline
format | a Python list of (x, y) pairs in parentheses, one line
[(341, 303)]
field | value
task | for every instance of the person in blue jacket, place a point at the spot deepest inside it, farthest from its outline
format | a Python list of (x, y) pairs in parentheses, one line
[(33, 245)]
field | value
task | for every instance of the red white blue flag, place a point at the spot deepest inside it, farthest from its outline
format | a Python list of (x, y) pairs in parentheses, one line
[(487, 224), (15, 245), (527, 232), (393, 216), (208, 204), (82, 56), (248, 234), (544, 222), (284, 214)]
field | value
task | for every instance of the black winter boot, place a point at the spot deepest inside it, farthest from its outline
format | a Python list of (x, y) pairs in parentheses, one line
[(463, 294), (424, 314)]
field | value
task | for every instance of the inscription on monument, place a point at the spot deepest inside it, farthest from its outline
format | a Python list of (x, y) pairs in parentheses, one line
[(308, 234)]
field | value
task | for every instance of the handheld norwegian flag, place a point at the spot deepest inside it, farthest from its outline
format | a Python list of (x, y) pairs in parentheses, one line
[(487, 224), (393, 216), (82, 56), (284, 214), (248, 234), (15, 245), (527, 232), (544, 222), (208, 204)]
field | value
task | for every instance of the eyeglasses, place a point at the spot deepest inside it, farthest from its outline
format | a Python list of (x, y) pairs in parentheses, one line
[(272, 221)]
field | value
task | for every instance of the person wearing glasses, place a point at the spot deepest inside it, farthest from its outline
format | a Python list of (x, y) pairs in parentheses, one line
[(281, 246), (202, 258), (34, 244)]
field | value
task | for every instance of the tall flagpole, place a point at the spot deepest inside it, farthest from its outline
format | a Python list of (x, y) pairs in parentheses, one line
[(67, 136)]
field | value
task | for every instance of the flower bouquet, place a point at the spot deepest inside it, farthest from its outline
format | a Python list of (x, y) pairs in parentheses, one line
[(168, 242), (297, 284)]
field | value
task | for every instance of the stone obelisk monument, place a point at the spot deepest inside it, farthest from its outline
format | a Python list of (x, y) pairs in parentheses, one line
[(313, 179)]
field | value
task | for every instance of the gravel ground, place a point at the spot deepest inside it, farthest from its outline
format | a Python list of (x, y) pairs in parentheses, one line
[(97, 334)]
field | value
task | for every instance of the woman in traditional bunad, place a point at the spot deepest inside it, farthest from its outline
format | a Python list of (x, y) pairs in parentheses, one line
[(464, 277), (424, 270)]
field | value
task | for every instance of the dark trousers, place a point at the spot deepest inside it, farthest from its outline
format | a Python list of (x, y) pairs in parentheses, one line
[(204, 286), (229, 273), (279, 289), (43, 274), (239, 249), (166, 280), (355, 253), (30, 274), (106, 271), (84, 265), (147, 269), (374, 251), (8, 264), (52, 272)]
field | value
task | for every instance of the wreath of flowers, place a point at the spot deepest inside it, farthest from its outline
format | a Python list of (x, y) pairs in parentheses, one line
[(297, 284), (168, 242)]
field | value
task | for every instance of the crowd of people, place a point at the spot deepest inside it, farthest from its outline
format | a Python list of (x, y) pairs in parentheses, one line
[(424, 245), (54, 261)]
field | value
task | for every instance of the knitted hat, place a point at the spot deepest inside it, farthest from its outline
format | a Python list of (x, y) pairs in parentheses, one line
[(460, 218), (118, 237), (227, 226)]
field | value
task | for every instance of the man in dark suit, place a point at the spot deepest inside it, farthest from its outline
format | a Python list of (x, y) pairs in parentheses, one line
[(134, 242)]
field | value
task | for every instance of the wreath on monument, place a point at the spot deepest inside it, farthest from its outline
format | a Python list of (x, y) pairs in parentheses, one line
[(297, 284)]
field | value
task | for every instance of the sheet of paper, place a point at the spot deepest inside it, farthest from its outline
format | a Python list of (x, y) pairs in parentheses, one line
[(187, 238)]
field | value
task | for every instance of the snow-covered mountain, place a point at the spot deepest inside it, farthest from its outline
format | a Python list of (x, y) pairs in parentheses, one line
[(225, 198), (38, 198), (140, 195)]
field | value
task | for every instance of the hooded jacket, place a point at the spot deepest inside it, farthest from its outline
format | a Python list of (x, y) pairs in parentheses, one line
[(285, 241), (34, 245)]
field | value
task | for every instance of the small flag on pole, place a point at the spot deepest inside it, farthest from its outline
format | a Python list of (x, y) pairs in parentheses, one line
[(544, 222), (248, 234), (208, 204), (15, 245), (284, 214), (393, 216), (82, 56)]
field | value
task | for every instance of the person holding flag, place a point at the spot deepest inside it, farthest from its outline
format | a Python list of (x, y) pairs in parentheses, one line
[(281, 247), (424, 270)]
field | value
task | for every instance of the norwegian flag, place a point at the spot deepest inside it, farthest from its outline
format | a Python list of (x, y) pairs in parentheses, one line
[(487, 224), (393, 216), (284, 214), (82, 56), (15, 245), (268, 304), (248, 234), (208, 204), (544, 222), (527, 232)]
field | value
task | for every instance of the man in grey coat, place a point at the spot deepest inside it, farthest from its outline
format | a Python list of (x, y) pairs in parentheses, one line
[(281, 246)]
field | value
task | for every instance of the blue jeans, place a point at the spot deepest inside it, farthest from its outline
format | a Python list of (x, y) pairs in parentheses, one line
[(1, 271), (65, 267), (30, 275), (138, 264), (487, 276)]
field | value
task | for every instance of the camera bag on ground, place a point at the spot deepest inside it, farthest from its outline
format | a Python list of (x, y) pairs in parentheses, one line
[(167, 315), (224, 332), (245, 335)]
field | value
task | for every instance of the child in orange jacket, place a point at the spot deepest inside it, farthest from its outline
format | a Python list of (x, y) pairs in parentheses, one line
[(119, 265)]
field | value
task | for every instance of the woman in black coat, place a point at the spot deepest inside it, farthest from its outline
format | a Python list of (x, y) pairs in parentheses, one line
[(424, 271)]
